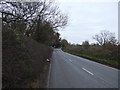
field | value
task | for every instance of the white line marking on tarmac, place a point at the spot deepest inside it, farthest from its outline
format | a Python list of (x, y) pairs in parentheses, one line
[(87, 71), (70, 60), (48, 83)]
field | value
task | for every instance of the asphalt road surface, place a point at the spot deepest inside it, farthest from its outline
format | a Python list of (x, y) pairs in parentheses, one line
[(70, 71)]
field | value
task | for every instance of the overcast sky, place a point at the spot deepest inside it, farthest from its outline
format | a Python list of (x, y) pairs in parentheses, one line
[(88, 18)]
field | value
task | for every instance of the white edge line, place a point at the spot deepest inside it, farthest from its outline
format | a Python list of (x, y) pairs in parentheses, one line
[(87, 71), (96, 63), (49, 77)]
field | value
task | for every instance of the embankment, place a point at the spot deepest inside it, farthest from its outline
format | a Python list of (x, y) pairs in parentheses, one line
[(23, 61)]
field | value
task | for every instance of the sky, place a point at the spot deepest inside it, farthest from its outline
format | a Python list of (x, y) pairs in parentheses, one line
[(87, 18)]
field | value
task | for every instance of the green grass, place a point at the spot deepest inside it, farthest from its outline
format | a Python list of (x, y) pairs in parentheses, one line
[(97, 58)]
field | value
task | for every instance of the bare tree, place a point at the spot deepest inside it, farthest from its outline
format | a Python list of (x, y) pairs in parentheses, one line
[(39, 20), (105, 37), (44, 10)]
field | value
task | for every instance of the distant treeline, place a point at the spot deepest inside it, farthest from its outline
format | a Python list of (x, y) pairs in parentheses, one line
[(105, 51)]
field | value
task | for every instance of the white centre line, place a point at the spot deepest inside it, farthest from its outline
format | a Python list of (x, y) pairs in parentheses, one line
[(87, 71), (70, 60)]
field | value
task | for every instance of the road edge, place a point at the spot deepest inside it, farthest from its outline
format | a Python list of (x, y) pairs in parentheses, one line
[(48, 79)]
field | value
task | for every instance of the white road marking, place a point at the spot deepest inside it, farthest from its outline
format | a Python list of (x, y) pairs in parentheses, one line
[(70, 60), (87, 71), (48, 83)]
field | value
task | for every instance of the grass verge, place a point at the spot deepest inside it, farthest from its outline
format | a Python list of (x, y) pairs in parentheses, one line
[(41, 80), (108, 62)]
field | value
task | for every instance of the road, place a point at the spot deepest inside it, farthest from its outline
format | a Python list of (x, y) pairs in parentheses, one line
[(70, 71)]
